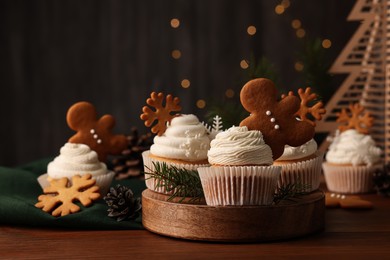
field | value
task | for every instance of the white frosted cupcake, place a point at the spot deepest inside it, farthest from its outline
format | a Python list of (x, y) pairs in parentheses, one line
[(241, 171), (78, 159), (350, 163), (302, 165), (184, 145)]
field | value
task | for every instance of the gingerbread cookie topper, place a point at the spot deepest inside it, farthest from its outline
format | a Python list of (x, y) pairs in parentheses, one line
[(161, 114), (333, 200), (93, 131), (355, 119), (306, 96), (275, 119)]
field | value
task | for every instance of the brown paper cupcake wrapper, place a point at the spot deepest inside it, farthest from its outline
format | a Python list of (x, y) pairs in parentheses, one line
[(307, 173), (239, 185), (152, 183), (349, 179), (103, 181)]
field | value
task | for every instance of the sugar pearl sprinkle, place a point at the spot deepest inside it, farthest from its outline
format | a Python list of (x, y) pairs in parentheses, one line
[(338, 196), (95, 136), (273, 120)]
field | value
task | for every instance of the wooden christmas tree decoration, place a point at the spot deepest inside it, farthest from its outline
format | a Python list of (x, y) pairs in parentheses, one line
[(364, 58)]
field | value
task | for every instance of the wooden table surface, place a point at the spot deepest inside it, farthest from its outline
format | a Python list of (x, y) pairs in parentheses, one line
[(348, 233)]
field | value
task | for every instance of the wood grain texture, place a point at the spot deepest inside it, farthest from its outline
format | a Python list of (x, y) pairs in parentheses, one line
[(348, 234), (303, 216)]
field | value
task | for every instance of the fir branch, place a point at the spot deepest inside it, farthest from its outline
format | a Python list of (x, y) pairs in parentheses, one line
[(261, 68), (316, 67), (182, 182), (230, 110), (290, 191)]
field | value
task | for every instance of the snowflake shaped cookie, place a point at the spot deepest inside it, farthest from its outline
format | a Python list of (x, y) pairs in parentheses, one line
[(59, 198)]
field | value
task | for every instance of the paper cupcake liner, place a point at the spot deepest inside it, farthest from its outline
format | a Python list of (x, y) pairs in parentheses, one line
[(307, 173), (152, 183), (239, 185), (103, 181), (349, 179)]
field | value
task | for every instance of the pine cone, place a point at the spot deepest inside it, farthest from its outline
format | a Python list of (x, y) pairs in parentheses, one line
[(122, 204), (381, 180), (129, 163)]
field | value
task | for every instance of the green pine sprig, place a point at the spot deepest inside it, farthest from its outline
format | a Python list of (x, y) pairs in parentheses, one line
[(186, 184), (290, 191), (182, 182)]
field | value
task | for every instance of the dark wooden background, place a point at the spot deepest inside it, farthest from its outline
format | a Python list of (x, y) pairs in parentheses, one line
[(114, 53)]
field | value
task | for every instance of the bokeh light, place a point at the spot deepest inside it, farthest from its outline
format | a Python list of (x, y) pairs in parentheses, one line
[(296, 24), (229, 93), (176, 54), (286, 3), (244, 64), (251, 30), (175, 23), (201, 103), (185, 83), (300, 33), (326, 43), (279, 9), (298, 66)]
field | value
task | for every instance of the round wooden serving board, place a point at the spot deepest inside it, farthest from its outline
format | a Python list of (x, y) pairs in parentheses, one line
[(288, 219)]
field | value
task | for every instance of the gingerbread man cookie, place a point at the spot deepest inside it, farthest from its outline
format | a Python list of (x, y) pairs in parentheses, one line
[(93, 131), (275, 119), (333, 200)]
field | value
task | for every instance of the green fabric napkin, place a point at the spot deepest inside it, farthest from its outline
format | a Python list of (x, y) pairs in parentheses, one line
[(19, 191)]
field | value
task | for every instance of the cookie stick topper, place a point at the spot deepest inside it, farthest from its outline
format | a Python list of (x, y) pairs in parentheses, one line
[(93, 131), (162, 114), (317, 110), (362, 123), (275, 119)]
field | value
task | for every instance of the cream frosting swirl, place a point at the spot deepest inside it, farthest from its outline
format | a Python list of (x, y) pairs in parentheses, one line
[(351, 147), (75, 159), (294, 153), (185, 139), (239, 146)]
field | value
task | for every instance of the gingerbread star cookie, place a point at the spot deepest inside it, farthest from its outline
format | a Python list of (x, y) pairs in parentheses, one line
[(93, 131)]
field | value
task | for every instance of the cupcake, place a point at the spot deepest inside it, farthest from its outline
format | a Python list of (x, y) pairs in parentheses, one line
[(241, 171), (181, 140), (351, 160), (88, 148), (301, 165), (78, 159), (288, 127)]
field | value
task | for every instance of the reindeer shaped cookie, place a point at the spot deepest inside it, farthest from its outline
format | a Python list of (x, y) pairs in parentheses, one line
[(94, 132), (275, 119)]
